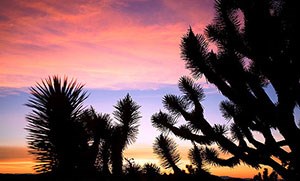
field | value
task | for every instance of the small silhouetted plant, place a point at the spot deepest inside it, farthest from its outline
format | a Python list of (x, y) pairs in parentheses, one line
[(166, 149), (265, 176), (191, 169), (56, 136), (132, 169), (151, 170)]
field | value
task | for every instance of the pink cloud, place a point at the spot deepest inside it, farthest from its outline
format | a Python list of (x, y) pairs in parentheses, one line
[(102, 43)]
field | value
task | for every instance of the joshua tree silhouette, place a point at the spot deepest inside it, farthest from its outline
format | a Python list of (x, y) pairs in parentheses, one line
[(256, 49), (125, 131), (108, 137)]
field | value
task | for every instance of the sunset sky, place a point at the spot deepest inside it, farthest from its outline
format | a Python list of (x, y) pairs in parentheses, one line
[(113, 47)]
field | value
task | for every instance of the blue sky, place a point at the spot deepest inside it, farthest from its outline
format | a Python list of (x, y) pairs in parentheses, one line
[(13, 110), (113, 47)]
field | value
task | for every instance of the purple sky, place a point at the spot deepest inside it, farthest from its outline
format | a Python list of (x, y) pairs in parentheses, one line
[(114, 47)]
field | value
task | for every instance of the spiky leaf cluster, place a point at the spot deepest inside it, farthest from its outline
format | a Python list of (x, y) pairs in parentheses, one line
[(166, 149), (127, 115), (56, 105)]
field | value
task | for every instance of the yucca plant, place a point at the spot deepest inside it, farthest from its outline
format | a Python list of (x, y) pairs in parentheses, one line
[(56, 137)]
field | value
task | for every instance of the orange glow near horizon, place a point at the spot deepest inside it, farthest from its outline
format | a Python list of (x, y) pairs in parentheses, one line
[(17, 167), (15, 160), (23, 163), (110, 46)]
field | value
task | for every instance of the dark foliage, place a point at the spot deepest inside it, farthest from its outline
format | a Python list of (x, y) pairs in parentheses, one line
[(68, 140), (167, 151), (151, 170), (125, 130), (256, 50), (99, 128), (34, 177), (56, 137)]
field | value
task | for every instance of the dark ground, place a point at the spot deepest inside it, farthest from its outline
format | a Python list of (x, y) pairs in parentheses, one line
[(34, 177)]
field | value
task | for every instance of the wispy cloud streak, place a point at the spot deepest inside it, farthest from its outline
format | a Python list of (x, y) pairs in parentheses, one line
[(103, 43)]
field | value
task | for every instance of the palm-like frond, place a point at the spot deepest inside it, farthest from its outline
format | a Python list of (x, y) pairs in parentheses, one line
[(98, 124), (220, 129), (236, 133), (103, 123), (185, 129), (226, 29), (193, 93), (194, 51), (160, 120), (228, 109), (195, 156), (195, 122), (211, 156), (167, 151), (127, 111), (175, 104)]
